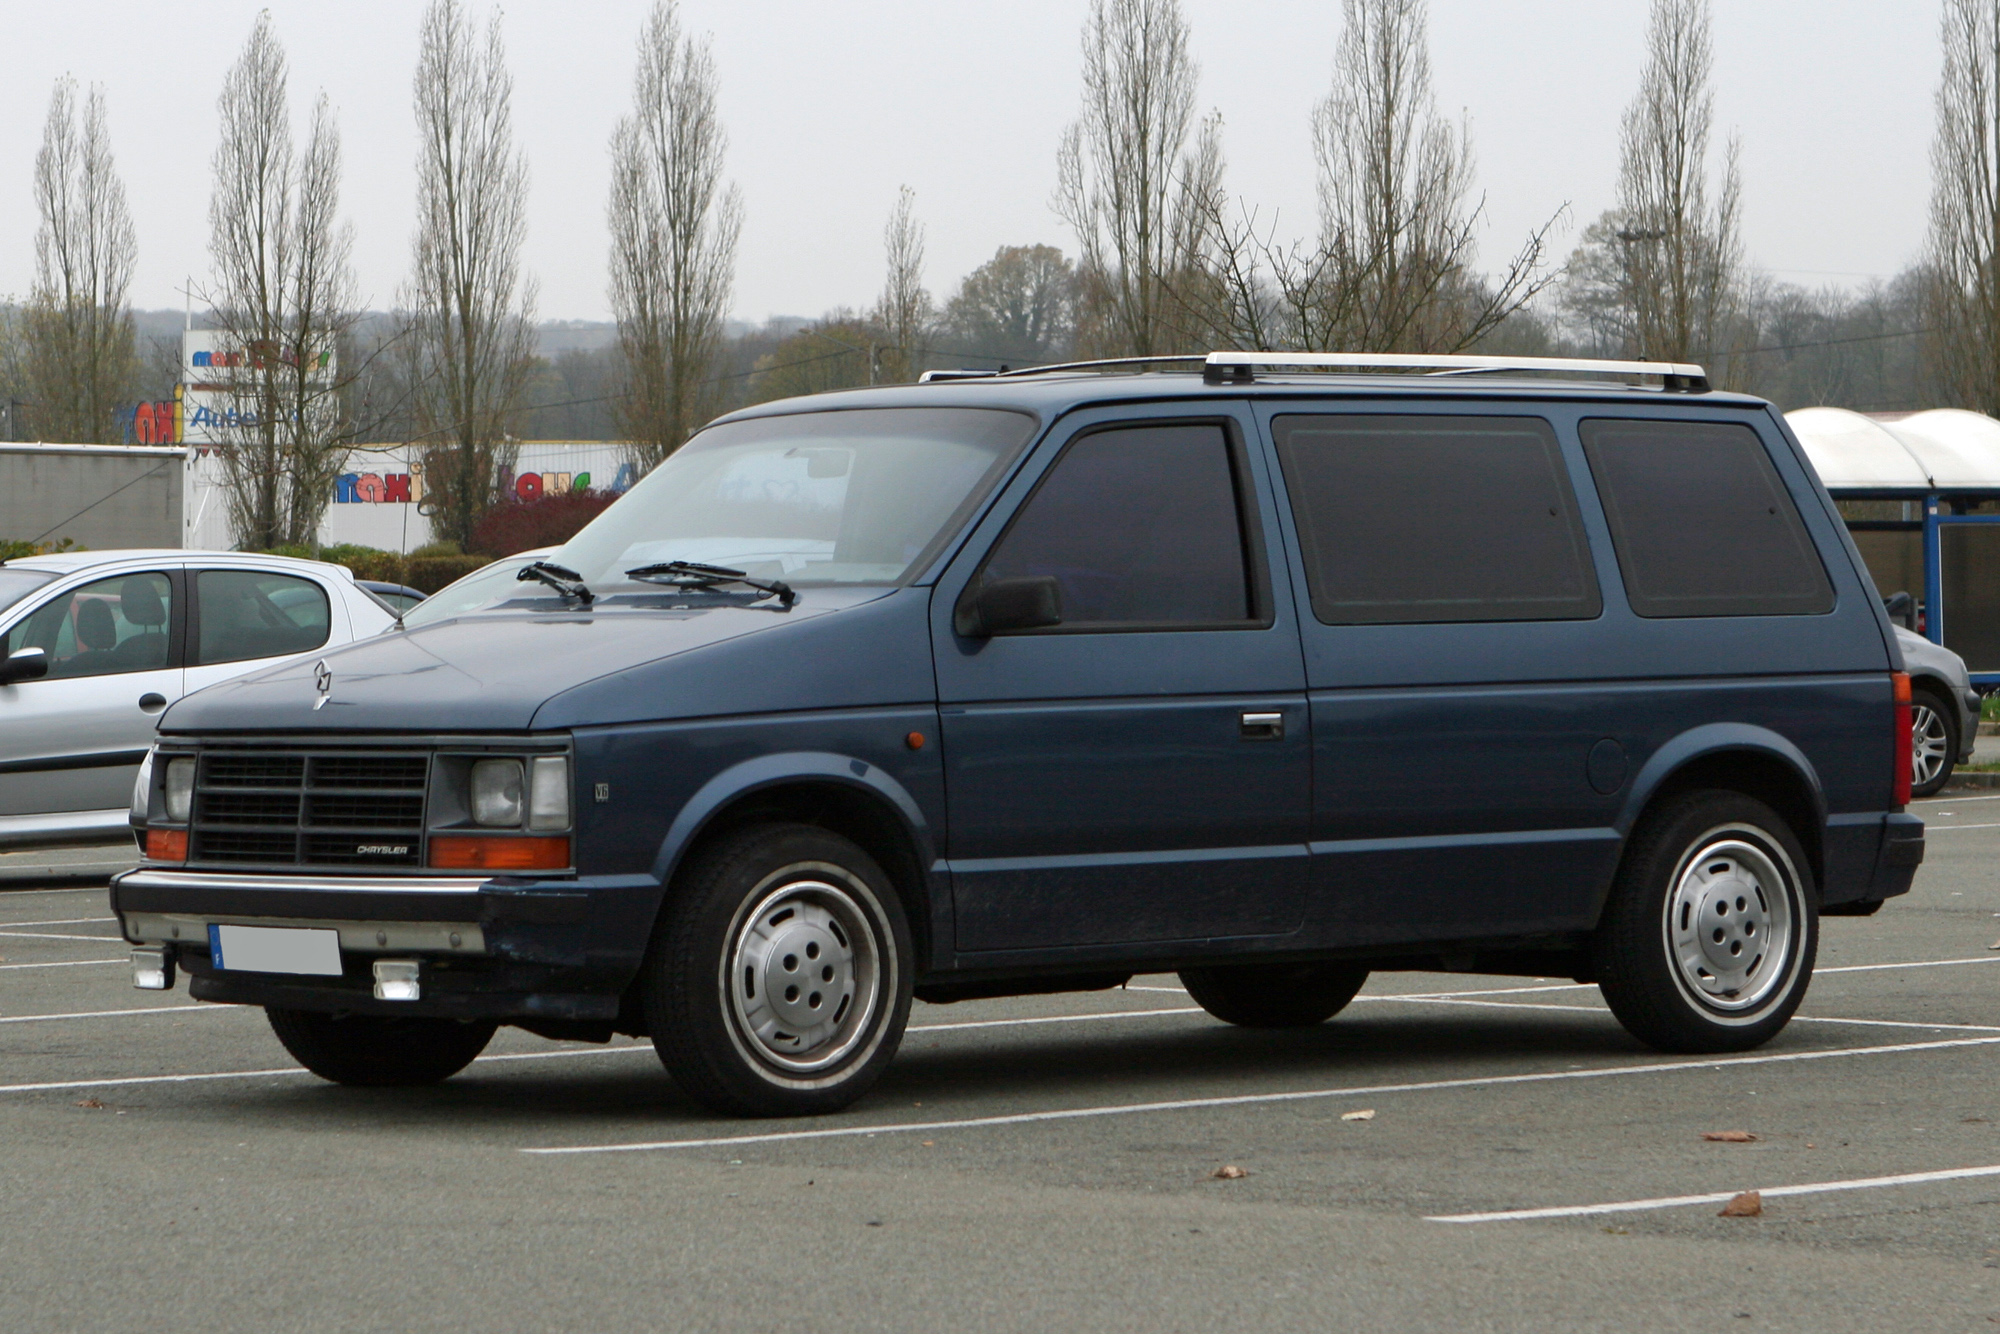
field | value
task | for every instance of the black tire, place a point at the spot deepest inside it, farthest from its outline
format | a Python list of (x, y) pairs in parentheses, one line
[(1936, 729), (778, 981), (1708, 940), (379, 1051), (1286, 995)]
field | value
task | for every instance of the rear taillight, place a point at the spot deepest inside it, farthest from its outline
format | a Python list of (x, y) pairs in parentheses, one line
[(1906, 741)]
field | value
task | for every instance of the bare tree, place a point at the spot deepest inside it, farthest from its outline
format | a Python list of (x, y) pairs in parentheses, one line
[(283, 299), (1681, 259), (1391, 269), (470, 345), (904, 310), (1963, 293), (673, 239), (1135, 176), (79, 345), (1018, 307)]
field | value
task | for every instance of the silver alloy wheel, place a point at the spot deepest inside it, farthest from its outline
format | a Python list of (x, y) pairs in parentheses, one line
[(804, 974), (1731, 922), (1929, 742)]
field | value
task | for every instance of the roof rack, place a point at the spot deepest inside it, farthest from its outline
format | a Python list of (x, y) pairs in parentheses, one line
[(1242, 367)]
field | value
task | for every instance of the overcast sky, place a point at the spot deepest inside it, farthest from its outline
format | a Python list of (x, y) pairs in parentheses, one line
[(833, 104)]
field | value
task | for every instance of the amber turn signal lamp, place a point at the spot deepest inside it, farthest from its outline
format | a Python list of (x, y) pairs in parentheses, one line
[(489, 852), (915, 741), (166, 845)]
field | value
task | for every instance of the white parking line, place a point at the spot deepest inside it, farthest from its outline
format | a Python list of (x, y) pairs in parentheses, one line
[(1948, 801), (1930, 828), (60, 921), (1604, 1013), (1051, 1019), (51, 935), (1676, 1201), (60, 963), (112, 1014), (1257, 1099), (1885, 967), (130, 1080)]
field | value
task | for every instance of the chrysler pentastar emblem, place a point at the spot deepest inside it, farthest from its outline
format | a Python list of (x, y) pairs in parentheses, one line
[(322, 684)]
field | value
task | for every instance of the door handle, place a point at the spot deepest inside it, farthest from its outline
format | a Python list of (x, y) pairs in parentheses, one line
[(152, 702), (1263, 726)]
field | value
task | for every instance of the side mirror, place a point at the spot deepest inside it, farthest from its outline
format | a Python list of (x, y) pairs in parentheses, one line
[(1902, 607), (23, 664), (1004, 606)]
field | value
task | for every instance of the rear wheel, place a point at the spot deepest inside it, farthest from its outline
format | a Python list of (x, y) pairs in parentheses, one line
[(1296, 995), (778, 981), (1708, 940), (379, 1051), (1934, 741)]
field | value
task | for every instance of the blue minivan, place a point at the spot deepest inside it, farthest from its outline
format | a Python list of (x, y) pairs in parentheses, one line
[(1271, 670)]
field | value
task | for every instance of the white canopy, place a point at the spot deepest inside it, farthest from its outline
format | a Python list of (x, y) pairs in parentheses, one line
[(1945, 449)]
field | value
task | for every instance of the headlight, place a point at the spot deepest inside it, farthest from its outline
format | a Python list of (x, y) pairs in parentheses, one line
[(548, 795), (142, 790), (496, 793), (180, 789)]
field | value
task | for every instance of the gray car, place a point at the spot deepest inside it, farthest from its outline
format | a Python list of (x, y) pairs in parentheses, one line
[(95, 645), (1945, 711)]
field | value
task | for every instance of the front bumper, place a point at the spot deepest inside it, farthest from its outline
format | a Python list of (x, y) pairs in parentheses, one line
[(489, 947)]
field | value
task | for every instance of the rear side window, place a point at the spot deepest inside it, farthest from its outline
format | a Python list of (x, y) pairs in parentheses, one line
[(1409, 519), (252, 614), (1140, 526), (1701, 521)]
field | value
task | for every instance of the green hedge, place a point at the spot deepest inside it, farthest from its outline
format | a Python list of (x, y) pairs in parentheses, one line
[(427, 569)]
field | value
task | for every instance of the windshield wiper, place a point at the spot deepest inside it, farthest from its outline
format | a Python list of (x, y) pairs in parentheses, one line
[(565, 581), (694, 575)]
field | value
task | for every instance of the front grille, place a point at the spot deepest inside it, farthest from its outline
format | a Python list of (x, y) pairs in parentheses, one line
[(310, 809)]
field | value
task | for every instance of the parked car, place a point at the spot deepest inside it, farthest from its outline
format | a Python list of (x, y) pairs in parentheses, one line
[(95, 645), (398, 598), (1945, 711), (1020, 683)]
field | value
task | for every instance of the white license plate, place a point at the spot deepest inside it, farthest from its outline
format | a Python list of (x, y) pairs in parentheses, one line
[(274, 949)]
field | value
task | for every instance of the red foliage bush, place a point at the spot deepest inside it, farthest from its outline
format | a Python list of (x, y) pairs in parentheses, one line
[(546, 521)]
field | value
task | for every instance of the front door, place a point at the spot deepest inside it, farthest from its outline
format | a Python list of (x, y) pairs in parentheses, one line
[(1139, 772), (72, 740)]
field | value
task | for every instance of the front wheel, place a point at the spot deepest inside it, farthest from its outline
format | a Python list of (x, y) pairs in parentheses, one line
[(1933, 741), (1708, 941), (778, 982), (379, 1051)]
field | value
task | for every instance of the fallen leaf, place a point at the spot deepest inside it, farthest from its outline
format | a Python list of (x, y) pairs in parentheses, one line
[(1729, 1136), (1749, 1204), (1994, 946), (1973, 1121), (1229, 1172), (90, 1102), (930, 1143), (1368, 1115)]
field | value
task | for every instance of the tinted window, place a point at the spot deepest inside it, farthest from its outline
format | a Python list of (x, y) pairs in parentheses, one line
[(1407, 519), (1701, 521), (114, 625), (252, 614), (1139, 526)]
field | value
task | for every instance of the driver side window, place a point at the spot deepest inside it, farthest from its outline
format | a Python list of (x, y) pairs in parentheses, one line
[(114, 625)]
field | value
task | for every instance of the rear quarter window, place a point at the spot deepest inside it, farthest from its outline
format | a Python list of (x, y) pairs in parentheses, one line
[(1701, 521)]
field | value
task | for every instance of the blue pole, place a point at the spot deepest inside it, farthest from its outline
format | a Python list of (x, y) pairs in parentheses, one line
[(1933, 574)]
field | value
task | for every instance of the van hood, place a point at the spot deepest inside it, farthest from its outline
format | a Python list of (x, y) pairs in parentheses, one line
[(488, 671)]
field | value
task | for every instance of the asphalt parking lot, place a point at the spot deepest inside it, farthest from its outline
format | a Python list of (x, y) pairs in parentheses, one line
[(1037, 1163)]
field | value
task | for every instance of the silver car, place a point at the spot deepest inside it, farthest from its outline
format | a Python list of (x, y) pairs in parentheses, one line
[(95, 645), (1944, 711)]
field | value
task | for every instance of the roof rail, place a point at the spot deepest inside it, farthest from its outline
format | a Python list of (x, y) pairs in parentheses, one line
[(1242, 367)]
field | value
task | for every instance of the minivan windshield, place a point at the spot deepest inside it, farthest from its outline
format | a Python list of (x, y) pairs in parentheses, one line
[(845, 497)]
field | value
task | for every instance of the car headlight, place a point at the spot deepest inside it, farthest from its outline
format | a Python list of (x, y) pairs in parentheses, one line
[(496, 793), (180, 789), (548, 794)]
